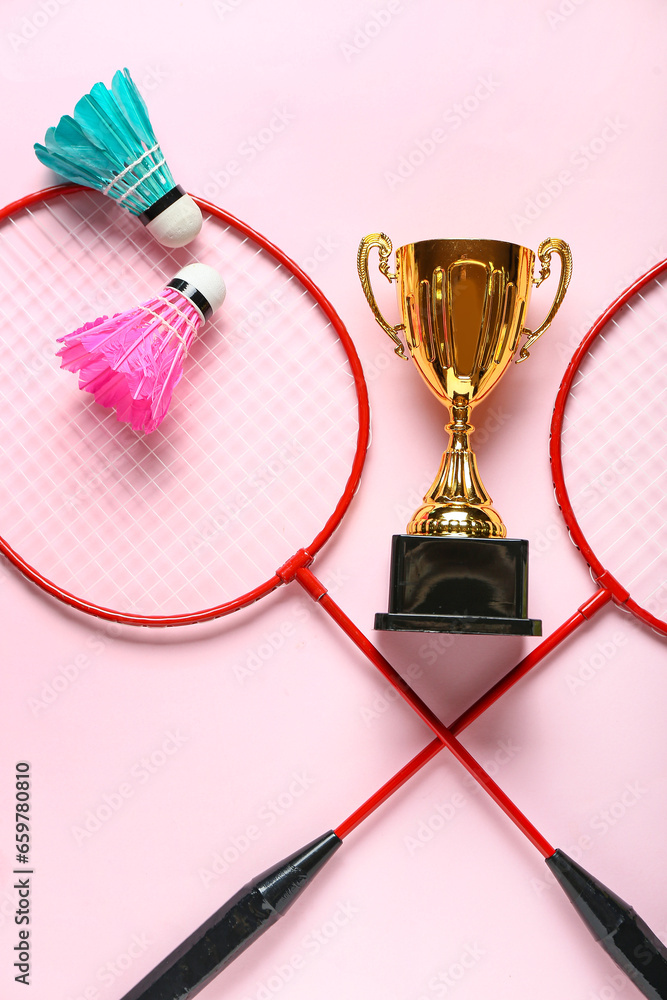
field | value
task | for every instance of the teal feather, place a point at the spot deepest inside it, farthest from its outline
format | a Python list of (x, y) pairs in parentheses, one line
[(70, 136), (105, 146), (127, 94)]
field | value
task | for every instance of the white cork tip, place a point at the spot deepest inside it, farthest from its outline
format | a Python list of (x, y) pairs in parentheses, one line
[(207, 281), (178, 224)]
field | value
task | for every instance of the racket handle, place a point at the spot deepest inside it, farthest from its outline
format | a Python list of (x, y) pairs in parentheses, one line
[(243, 918), (615, 925)]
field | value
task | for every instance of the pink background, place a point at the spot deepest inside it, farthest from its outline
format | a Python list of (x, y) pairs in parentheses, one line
[(550, 121)]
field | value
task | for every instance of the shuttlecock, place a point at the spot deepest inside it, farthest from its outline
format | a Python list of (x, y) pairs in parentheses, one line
[(109, 145), (134, 360)]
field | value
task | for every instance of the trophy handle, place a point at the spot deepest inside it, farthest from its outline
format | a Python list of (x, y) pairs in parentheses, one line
[(547, 248), (384, 245)]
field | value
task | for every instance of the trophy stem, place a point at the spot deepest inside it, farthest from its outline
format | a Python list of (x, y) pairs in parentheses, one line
[(457, 503)]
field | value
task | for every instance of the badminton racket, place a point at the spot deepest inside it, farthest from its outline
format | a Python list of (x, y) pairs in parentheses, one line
[(156, 552), (633, 326), (257, 906), (138, 529)]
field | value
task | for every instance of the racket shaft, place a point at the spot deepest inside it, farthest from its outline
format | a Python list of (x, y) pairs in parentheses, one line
[(615, 925), (232, 928)]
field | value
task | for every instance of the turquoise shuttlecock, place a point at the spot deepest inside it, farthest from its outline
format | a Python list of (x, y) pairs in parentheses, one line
[(110, 145)]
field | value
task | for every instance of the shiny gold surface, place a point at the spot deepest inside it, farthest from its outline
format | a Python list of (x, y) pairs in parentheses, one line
[(383, 243), (546, 249), (463, 304)]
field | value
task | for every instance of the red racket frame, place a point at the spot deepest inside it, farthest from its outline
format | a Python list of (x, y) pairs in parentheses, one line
[(600, 575), (302, 557)]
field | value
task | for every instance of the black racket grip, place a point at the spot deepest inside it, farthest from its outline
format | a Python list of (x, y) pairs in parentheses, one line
[(623, 935), (232, 928)]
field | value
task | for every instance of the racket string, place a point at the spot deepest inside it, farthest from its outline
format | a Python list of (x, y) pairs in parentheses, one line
[(257, 448), (614, 442)]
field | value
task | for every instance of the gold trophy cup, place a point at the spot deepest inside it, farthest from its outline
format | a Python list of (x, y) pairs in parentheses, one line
[(463, 305)]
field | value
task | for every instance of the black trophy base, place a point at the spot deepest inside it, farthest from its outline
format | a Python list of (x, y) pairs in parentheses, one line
[(451, 584)]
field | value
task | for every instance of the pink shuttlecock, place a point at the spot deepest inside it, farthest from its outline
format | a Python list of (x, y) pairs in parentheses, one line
[(133, 361)]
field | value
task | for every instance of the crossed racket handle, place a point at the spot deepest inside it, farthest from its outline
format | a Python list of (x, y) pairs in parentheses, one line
[(259, 904)]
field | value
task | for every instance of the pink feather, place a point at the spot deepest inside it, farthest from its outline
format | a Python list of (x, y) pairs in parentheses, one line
[(134, 360)]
